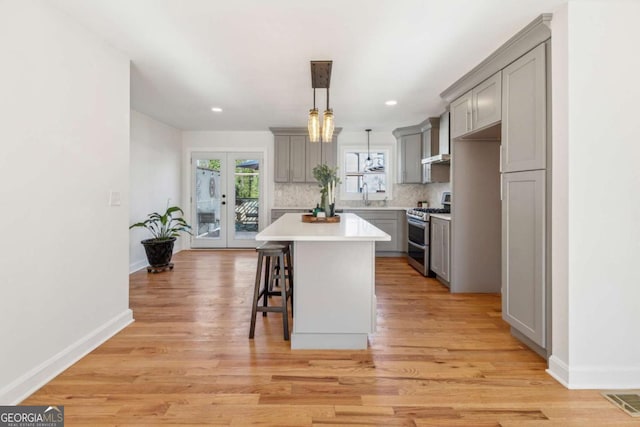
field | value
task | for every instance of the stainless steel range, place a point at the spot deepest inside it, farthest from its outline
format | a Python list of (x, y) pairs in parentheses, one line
[(418, 234)]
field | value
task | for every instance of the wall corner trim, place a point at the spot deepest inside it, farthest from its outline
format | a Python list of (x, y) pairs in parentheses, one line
[(30, 382), (559, 371)]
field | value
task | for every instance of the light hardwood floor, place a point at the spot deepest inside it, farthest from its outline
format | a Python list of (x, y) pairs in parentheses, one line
[(436, 360)]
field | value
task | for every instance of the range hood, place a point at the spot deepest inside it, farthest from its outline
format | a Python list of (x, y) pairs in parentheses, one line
[(440, 158)]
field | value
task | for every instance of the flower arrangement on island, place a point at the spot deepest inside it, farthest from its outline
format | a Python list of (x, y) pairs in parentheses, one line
[(327, 178)]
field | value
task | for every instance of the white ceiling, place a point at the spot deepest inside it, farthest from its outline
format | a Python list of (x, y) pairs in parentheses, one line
[(251, 57)]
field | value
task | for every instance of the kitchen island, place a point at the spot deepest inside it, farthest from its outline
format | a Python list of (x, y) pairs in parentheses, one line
[(334, 279)]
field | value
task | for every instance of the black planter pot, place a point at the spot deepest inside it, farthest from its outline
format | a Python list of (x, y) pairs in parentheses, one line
[(159, 252)]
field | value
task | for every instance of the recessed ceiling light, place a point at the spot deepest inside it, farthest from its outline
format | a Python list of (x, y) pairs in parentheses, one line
[(216, 110), (391, 102)]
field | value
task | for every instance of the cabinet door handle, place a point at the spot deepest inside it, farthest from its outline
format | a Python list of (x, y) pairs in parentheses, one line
[(500, 166)]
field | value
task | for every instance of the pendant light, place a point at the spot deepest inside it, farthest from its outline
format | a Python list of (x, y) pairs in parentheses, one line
[(368, 163), (313, 125), (327, 123), (321, 79)]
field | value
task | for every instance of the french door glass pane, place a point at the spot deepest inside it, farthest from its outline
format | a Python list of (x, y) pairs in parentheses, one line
[(247, 192), (208, 199)]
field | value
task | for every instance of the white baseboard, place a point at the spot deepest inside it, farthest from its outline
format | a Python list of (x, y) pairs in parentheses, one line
[(137, 265), (27, 384), (559, 370), (142, 263), (594, 377)]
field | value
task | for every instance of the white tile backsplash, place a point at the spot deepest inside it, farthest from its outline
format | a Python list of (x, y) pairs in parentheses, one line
[(404, 195)]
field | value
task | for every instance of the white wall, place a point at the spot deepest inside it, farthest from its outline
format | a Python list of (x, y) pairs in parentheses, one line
[(156, 159), (64, 111), (601, 136), (560, 202)]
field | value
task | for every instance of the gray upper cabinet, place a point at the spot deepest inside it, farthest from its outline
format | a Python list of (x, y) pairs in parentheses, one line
[(289, 161), (298, 159), (523, 253), (281, 161), (411, 154), (430, 129), (409, 151), (479, 108), (524, 126), (320, 153), (314, 157), (295, 156), (486, 102), (461, 116), (443, 134), (330, 153)]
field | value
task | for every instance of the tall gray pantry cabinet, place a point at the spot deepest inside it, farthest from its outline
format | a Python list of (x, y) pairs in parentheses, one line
[(523, 164), (501, 137)]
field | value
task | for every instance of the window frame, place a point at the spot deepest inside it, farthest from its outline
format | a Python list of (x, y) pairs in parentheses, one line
[(387, 150)]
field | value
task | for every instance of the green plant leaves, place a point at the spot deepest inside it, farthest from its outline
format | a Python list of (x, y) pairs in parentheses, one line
[(165, 226)]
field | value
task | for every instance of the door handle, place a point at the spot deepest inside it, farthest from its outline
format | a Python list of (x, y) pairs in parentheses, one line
[(224, 195), (224, 203)]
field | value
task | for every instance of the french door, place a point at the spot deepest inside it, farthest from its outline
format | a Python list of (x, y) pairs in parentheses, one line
[(225, 199)]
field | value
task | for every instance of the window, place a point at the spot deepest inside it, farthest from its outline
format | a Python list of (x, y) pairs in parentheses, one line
[(356, 173)]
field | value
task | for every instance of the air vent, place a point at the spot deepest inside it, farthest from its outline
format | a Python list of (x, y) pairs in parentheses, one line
[(627, 400)]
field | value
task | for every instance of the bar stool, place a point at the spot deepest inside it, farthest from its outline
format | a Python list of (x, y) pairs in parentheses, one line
[(288, 270), (270, 255)]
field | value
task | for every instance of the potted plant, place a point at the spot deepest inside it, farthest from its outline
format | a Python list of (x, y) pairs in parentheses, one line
[(164, 229), (327, 178)]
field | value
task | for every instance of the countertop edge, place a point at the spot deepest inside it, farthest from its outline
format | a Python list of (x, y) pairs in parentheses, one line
[(349, 208), (446, 217)]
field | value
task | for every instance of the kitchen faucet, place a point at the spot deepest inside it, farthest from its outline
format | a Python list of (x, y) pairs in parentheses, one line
[(365, 193)]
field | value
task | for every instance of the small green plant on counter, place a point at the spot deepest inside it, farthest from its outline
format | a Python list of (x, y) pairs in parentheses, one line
[(326, 176)]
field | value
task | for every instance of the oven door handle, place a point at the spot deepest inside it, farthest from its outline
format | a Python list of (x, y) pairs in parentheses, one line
[(422, 247), (416, 223)]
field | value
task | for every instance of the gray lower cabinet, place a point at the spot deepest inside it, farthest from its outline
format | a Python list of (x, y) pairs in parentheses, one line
[(392, 222), (441, 248), (524, 126), (523, 253)]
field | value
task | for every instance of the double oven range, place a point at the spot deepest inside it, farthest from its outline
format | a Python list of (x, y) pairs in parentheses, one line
[(418, 234)]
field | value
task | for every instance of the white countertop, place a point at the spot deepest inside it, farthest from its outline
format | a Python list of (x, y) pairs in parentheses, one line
[(441, 216), (350, 228), (350, 208)]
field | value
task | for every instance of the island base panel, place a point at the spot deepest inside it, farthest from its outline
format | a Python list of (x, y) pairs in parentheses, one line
[(310, 341), (334, 294)]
